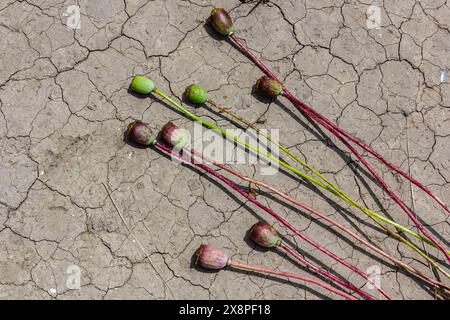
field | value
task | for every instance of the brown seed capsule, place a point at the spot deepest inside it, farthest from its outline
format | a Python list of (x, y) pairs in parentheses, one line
[(141, 133), (268, 87), (221, 21), (265, 235), (211, 257), (174, 136)]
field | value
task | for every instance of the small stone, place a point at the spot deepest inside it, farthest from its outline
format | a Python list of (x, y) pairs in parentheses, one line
[(444, 75)]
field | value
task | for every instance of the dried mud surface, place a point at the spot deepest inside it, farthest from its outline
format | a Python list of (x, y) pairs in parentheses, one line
[(64, 106)]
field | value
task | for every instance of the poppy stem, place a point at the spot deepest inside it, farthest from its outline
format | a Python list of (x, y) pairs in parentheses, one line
[(339, 226), (270, 212), (323, 272), (248, 267), (337, 131), (374, 216), (380, 181), (323, 178)]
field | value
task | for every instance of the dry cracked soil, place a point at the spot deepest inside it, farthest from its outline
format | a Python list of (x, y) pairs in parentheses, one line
[(65, 104)]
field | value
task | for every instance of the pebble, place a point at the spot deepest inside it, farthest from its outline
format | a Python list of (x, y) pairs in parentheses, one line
[(444, 75)]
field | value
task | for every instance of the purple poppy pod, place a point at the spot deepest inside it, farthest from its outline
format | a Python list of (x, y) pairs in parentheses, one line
[(268, 87), (211, 257), (141, 132), (221, 21), (265, 235), (174, 136)]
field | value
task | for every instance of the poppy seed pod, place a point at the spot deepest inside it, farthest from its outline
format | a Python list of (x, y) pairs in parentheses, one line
[(221, 21), (268, 87), (265, 235), (174, 136), (196, 94), (211, 257), (142, 84), (141, 133)]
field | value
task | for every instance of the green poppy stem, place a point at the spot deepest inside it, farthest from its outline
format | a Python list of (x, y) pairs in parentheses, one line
[(332, 185), (287, 166)]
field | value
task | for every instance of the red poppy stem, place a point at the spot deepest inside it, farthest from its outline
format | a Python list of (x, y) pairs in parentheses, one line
[(244, 49), (331, 221), (336, 131), (269, 211), (323, 272), (376, 155), (378, 178), (244, 266)]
